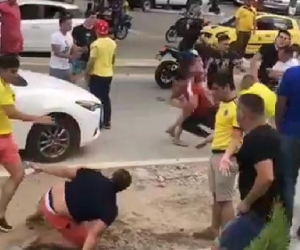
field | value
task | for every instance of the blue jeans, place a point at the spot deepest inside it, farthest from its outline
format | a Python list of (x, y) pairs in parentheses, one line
[(78, 66), (238, 233), (291, 165)]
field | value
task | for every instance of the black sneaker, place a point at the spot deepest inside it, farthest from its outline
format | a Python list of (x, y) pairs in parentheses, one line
[(4, 226)]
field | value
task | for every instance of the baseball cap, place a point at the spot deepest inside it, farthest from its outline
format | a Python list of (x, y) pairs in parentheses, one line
[(101, 27)]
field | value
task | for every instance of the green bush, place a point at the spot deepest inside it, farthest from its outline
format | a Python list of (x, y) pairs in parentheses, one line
[(275, 235)]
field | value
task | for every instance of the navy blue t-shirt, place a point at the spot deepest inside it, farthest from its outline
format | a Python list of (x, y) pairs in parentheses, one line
[(91, 196), (290, 89)]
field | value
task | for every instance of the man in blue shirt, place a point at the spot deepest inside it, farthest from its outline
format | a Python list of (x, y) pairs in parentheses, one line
[(287, 118)]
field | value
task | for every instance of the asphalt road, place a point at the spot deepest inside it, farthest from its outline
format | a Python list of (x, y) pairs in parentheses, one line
[(138, 124), (148, 33)]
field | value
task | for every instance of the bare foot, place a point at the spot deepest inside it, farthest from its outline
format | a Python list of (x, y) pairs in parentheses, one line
[(171, 131), (180, 143), (206, 234)]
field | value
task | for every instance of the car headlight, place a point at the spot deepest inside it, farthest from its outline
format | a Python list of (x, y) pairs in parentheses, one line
[(92, 106)]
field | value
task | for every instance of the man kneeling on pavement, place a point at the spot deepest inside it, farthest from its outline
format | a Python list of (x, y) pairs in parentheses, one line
[(81, 208)]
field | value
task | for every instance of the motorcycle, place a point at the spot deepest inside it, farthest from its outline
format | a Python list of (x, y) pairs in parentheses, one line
[(182, 25), (168, 57), (123, 27)]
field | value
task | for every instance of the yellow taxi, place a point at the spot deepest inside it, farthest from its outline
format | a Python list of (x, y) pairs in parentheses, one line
[(267, 29)]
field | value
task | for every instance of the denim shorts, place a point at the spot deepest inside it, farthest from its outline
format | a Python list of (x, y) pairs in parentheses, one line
[(78, 66), (238, 233)]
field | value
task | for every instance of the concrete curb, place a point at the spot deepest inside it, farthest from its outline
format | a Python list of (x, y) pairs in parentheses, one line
[(125, 164), (129, 63), (126, 63)]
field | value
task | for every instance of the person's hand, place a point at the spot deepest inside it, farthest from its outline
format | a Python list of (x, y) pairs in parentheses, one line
[(202, 144), (225, 164), (243, 207), (45, 120), (35, 167)]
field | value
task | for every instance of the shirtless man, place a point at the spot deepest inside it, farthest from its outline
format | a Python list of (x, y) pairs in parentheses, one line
[(82, 207)]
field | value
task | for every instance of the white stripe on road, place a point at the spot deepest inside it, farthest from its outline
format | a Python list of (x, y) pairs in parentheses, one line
[(126, 164)]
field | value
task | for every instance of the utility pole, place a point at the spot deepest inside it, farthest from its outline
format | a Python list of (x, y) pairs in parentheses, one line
[(292, 7)]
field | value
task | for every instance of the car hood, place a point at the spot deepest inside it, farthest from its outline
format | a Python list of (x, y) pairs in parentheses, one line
[(45, 83), (215, 29)]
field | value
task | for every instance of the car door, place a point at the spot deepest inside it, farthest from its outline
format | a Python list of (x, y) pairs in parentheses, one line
[(30, 14), (49, 23), (265, 33)]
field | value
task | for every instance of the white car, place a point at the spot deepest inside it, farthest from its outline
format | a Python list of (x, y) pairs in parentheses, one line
[(40, 20), (77, 114), (280, 6)]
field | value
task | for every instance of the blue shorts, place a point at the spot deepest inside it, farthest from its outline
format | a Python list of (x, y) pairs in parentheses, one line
[(238, 233), (78, 66)]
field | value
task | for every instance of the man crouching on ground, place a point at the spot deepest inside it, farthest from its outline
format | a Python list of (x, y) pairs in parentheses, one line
[(81, 208)]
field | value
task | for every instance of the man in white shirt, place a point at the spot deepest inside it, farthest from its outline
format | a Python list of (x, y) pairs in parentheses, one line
[(285, 61), (62, 50)]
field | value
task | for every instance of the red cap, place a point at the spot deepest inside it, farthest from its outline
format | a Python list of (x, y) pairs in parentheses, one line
[(101, 27)]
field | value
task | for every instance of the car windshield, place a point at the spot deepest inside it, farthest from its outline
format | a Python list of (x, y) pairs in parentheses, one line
[(76, 13), (228, 22)]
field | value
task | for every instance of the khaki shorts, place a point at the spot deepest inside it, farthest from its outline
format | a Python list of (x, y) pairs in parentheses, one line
[(221, 185)]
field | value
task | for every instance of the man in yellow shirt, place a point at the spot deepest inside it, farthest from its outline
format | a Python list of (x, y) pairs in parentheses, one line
[(227, 134), (245, 26), (9, 153), (99, 69), (250, 86)]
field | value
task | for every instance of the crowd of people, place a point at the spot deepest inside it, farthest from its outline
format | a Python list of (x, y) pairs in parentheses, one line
[(253, 132)]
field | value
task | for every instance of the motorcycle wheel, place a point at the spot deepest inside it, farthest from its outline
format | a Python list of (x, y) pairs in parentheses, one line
[(146, 5), (163, 74), (122, 33), (171, 35)]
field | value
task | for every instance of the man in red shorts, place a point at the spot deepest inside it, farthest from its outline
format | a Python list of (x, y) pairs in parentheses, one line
[(81, 208), (11, 35), (9, 153)]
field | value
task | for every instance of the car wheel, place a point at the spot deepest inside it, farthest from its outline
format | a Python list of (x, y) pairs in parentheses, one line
[(164, 74), (146, 5), (55, 143)]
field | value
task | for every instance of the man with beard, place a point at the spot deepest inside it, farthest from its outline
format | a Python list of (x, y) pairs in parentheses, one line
[(221, 60), (268, 56), (260, 176)]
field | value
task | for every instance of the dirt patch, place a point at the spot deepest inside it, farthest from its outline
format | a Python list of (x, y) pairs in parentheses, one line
[(160, 211)]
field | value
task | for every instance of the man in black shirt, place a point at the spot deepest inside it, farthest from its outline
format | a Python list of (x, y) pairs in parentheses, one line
[(260, 177), (268, 56), (82, 207), (83, 36), (221, 60)]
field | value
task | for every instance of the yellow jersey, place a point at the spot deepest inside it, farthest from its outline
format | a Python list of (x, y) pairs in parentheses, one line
[(266, 94), (226, 121), (7, 97), (103, 51), (245, 18)]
